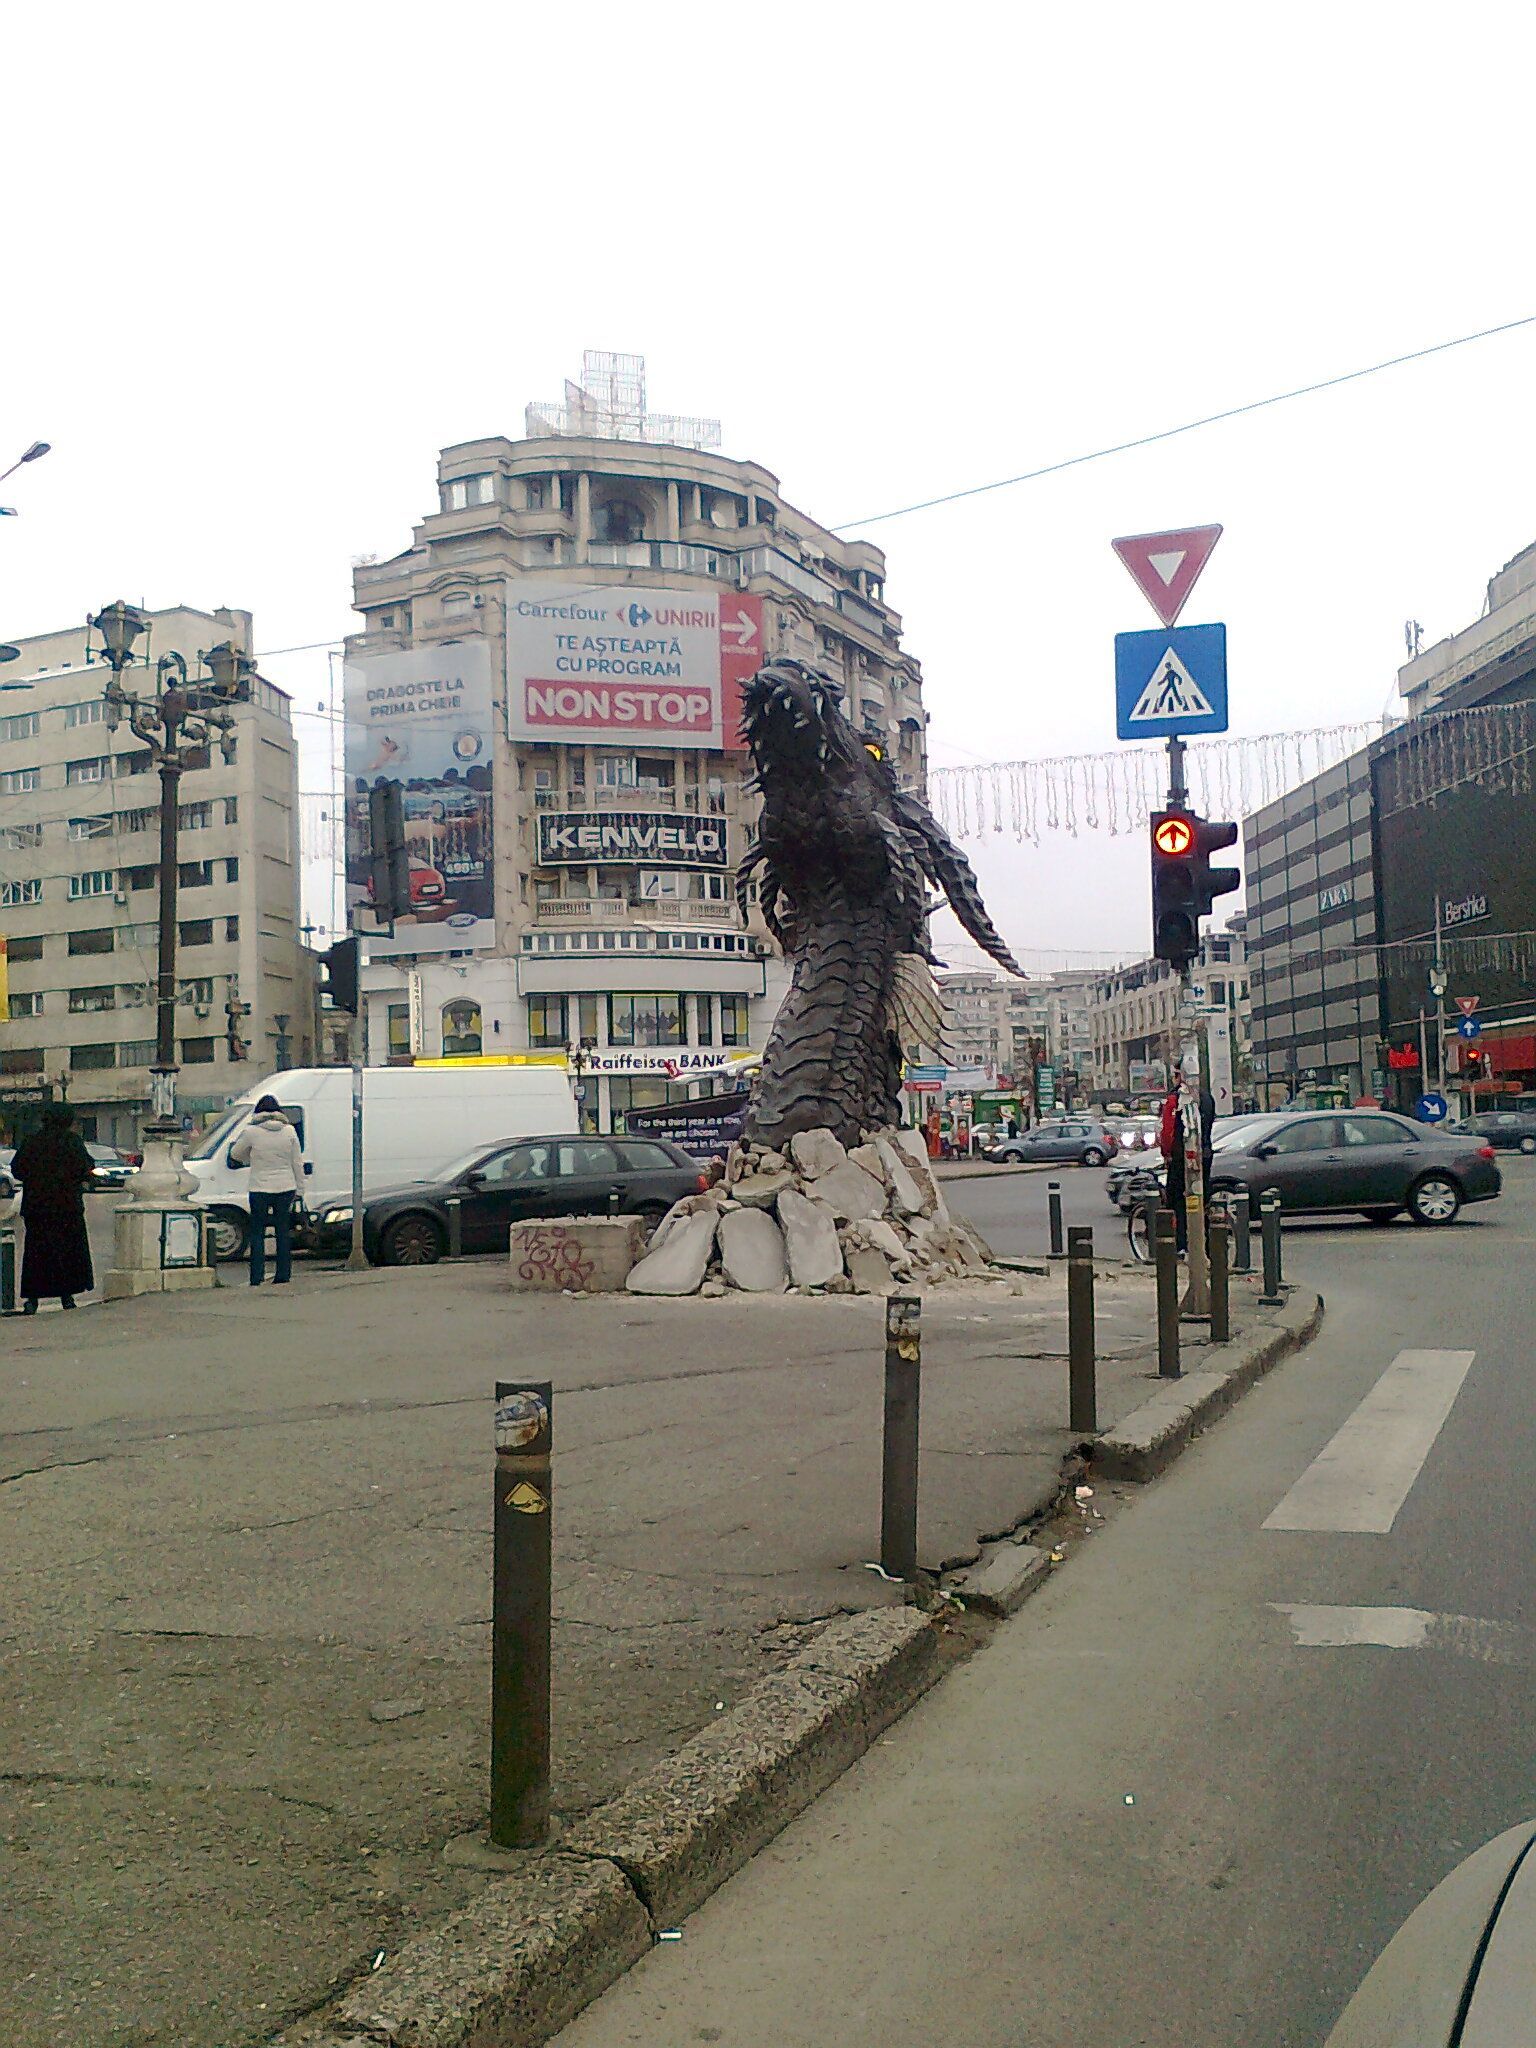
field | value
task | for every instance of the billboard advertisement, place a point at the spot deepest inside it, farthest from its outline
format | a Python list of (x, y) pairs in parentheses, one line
[(421, 716), (668, 839), (628, 664)]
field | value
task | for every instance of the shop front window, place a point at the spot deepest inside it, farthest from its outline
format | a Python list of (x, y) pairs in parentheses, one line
[(399, 1022), (546, 1021), (646, 1020), (461, 1028), (733, 1020)]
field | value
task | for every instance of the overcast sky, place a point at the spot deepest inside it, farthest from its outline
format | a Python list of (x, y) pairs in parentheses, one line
[(262, 263)]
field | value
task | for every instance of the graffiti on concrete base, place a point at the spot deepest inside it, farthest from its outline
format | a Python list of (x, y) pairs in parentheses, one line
[(550, 1255)]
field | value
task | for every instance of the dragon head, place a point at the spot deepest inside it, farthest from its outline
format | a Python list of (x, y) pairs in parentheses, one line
[(793, 715)]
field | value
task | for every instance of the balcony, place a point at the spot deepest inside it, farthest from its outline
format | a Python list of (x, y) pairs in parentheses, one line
[(634, 911)]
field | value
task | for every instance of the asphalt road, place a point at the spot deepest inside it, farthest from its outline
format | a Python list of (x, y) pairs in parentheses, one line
[(1009, 1208), (1184, 1798)]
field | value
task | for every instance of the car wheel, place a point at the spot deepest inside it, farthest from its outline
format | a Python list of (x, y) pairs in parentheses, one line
[(1434, 1199), (410, 1241), (1528, 1145), (1378, 1215), (229, 1232), (1093, 1156)]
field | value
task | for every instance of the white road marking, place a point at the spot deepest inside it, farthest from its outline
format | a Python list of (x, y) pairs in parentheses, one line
[(1360, 1478), (1407, 1628)]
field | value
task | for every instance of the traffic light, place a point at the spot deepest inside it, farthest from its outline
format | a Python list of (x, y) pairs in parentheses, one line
[(1212, 882), (1474, 1064), (340, 982), (1175, 901), (389, 868)]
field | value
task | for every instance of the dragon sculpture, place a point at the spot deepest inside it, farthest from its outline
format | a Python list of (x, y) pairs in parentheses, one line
[(843, 857)]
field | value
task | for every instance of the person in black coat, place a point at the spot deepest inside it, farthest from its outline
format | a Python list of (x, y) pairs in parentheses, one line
[(54, 1169)]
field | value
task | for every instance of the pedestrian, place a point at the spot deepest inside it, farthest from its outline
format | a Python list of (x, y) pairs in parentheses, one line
[(54, 1169), (1170, 1139), (269, 1146)]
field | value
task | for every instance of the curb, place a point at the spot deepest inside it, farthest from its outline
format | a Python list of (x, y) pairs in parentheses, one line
[(1148, 1440), (512, 1969)]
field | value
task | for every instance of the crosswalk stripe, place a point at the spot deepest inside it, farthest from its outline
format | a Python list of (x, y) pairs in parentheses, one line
[(1360, 1478), (1407, 1628)]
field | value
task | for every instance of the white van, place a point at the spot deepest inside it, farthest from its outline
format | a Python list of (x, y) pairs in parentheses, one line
[(415, 1119)]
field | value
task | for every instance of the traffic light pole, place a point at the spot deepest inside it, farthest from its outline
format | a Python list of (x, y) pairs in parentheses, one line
[(1197, 1296)]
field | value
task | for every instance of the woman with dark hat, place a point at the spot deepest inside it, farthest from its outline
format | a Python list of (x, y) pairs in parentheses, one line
[(54, 1169)]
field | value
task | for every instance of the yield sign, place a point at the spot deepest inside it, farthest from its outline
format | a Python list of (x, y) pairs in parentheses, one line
[(1165, 565), (1467, 1004)]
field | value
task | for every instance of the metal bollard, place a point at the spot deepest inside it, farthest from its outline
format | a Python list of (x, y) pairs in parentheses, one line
[(520, 1615), (898, 1468), (1221, 1292), (455, 1208), (1165, 1252), (1241, 1210), (1269, 1239), (8, 1271), (1082, 1389), (1053, 1210)]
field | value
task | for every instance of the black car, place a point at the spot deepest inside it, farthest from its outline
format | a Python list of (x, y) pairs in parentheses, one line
[(1506, 1130), (496, 1186), (1363, 1159)]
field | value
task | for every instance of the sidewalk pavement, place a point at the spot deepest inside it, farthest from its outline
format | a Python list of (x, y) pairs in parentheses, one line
[(248, 1548)]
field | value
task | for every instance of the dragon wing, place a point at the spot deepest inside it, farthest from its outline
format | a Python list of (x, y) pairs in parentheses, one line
[(946, 866)]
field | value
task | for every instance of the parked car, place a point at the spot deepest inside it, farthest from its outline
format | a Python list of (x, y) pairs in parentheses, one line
[(1135, 1134), (499, 1185), (1065, 1138), (1506, 1130), (1368, 1160), (110, 1168)]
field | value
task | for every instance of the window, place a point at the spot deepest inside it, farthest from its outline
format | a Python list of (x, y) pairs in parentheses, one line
[(705, 1009), (733, 1020), (24, 949), (712, 888), (653, 772), (21, 1059), (194, 817), (585, 1157), (195, 874), (91, 942), (97, 768), (17, 838), (545, 889), (136, 1052), (618, 520), (1321, 1135), (546, 1020), (198, 991), (614, 771), (26, 1005), (91, 828), (231, 928), (197, 1052), (231, 810), (138, 763), (13, 893), (646, 1020), (92, 1057), (144, 876), (398, 1030), (232, 870), (534, 493), (198, 933), (94, 882), (16, 781), (461, 1027), (471, 490), (585, 1011), (134, 995), (612, 885), (714, 794), (23, 726), (1374, 1130), (131, 821), (92, 713), (93, 998), (662, 886), (638, 1157)]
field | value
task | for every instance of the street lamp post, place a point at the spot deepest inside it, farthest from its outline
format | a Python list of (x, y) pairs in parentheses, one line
[(177, 719)]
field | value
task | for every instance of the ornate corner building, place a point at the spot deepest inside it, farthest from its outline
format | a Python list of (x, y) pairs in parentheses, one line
[(553, 670)]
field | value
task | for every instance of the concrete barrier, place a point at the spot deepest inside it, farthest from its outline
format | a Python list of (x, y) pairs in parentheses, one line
[(576, 1254)]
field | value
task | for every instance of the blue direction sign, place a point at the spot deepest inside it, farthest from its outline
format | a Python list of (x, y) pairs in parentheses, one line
[(1170, 683), (1469, 1027), (1431, 1109)]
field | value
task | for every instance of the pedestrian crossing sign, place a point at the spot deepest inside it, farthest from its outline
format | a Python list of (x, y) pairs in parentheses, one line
[(1170, 682)]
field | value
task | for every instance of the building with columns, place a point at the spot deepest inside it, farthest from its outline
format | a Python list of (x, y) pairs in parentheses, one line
[(552, 668)]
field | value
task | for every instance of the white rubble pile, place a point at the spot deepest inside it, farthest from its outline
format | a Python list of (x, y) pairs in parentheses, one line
[(816, 1218)]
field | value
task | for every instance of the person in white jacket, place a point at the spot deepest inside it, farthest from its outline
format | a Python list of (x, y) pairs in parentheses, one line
[(269, 1146)]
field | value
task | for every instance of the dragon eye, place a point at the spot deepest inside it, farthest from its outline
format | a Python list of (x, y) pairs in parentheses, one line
[(870, 747)]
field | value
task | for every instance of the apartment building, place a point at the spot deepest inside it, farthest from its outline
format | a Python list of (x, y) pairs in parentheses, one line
[(552, 669), (977, 1021), (1133, 1031), (79, 888)]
